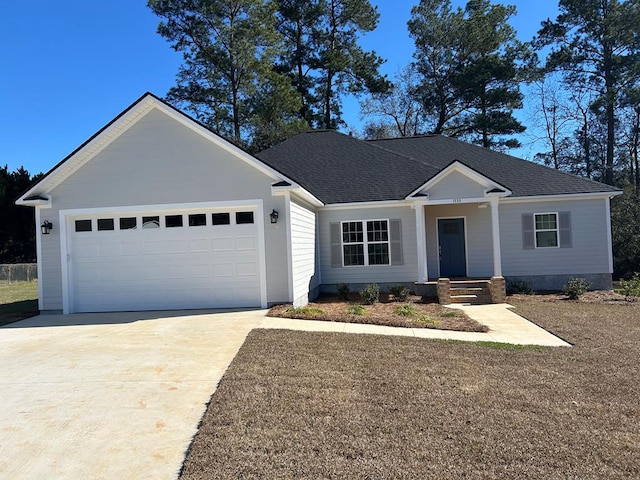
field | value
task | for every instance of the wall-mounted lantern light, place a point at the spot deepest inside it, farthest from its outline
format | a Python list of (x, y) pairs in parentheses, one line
[(274, 216), (46, 227)]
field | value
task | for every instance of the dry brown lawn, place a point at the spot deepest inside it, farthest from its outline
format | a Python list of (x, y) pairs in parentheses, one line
[(317, 405), (424, 313)]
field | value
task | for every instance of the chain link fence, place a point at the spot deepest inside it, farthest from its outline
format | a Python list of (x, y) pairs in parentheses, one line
[(18, 272)]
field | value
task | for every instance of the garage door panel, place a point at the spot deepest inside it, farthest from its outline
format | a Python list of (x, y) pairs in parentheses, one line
[(152, 247), (245, 242), (247, 269), (202, 266), (199, 245), (222, 244), (176, 246), (224, 270)]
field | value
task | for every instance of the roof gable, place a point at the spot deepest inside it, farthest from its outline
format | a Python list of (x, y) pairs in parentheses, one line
[(459, 181), (123, 123), (522, 177)]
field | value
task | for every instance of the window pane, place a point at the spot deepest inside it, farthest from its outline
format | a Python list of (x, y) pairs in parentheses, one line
[(547, 239), (171, 221), (105, 224), (220, 219), (83, 225), (377, 231), (128, 223), (197, 220), (379, 254), (150, 222), (353, 254), (352, 232), (244, 217), (546, 221)]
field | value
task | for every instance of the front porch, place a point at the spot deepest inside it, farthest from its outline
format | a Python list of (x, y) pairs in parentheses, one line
[(464, 291)]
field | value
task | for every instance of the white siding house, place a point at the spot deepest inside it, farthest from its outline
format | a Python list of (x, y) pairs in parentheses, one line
[(156, 211)]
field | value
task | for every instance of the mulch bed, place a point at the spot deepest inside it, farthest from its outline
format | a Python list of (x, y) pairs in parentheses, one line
[(603, 297), (309, 405), (428, 314)]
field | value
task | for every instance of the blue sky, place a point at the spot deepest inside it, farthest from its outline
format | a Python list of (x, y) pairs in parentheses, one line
[(70, 66)]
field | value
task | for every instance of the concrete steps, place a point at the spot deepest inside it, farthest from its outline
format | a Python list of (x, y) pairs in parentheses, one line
[(474, 292)]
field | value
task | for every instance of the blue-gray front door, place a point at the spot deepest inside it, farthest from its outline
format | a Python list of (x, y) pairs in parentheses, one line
[(452, 249)]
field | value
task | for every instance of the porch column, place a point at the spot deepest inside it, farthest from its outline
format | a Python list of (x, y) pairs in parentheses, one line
[(495, 232), (421, 238)]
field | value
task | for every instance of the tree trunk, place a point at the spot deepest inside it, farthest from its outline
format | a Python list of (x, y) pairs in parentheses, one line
[(610, 114)]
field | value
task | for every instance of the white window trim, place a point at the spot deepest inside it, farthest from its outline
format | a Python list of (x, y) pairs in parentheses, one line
[(536, 230), (365, 242)]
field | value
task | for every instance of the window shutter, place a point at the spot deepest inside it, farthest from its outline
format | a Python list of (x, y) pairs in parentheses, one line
[(528, 233), (564, 224), (395, 240), (336, 245)]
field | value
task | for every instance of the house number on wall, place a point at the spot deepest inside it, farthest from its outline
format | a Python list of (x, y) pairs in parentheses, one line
[(456, 200)]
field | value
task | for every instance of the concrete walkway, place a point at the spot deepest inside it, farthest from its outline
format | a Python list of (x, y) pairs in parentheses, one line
[(120, 395), (504, 325)]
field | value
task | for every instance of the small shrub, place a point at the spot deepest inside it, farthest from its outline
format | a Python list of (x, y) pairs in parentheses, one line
[(519, 286), (356, 309), (343, 290), (406, 310), (575, 287), (450, 314), (631, 288), (306, 310), (400, 292), (370, 294), (429, 320)]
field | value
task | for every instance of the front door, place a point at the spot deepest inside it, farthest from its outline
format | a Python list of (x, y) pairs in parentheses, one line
[(452, 249)]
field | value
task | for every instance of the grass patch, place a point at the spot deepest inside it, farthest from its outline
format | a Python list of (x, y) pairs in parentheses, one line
[(509, 346), (450, 314), (18, 301), (428, 320), (356, 309), (311, 405), (406, 310), (311, 311)]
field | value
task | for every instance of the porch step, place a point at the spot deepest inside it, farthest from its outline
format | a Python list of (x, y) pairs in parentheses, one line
[(475, 292)]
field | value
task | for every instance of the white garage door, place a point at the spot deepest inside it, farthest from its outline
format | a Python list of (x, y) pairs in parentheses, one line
[(158, 260)]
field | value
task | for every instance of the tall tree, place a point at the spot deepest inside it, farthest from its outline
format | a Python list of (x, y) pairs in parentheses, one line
[(595, 43), (551, 116), (471, 65), (300, 22), (489, 79), (229, 47), (17, 223), (435, 28), (398, 111), (342, 65)]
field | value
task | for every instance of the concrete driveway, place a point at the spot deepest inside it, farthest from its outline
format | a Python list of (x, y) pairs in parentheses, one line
[(110, 396)]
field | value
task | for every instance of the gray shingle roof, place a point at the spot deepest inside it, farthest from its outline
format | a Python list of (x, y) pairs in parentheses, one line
[(337, 168)]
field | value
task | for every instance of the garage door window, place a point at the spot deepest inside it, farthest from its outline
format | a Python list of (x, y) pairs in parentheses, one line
[(128, 223), (197, 220), (172, 221), (220, 219), (244, 217), (105, 224), (83, 225), (150, 222)]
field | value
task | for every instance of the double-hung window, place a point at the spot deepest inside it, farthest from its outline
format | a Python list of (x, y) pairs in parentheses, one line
[(365, 242), (546, 229)]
